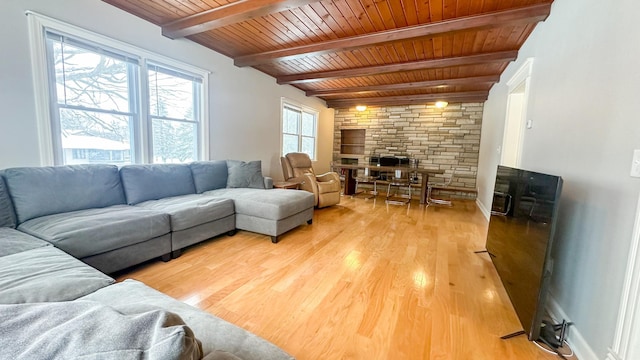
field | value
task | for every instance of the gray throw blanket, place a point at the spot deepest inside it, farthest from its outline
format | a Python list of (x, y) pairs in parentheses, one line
[(90, 330)]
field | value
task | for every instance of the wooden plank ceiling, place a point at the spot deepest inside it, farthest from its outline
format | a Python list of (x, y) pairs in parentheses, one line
[(351, 52)]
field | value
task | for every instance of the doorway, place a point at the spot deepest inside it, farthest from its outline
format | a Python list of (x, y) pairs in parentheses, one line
[(516, 116)]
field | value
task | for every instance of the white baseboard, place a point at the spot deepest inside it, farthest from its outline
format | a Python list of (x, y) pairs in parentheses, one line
[(581, 348), (612, 356), (483, 209)]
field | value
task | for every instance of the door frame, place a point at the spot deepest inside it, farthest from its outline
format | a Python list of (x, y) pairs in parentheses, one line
[(625, 342), (521, 78)]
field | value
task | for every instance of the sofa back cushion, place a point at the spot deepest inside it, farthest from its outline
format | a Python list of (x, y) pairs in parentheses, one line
[(7, 215), (245, 174), (40, 191), (156, 181), (209, 175)]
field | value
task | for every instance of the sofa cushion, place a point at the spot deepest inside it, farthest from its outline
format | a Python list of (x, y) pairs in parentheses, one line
[(13, 241), (7, 215), (245, 174), (95, 231), (156, 181), (187, 211), (46, 274), (215, 333), (40, 191), (273, 204), (94, 331), (209, 175)]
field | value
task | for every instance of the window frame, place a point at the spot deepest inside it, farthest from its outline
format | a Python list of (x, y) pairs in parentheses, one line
[(45, 90), (286, 103)]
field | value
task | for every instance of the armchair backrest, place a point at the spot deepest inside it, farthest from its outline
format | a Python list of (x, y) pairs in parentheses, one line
[(325, 187), (287, 171), (299, 164)]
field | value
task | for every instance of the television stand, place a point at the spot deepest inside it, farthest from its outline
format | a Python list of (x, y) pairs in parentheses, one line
[(484, 251), (509, 336), (548, 336)]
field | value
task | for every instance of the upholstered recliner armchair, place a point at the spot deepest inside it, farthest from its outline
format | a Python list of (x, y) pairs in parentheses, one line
[(325, 187)]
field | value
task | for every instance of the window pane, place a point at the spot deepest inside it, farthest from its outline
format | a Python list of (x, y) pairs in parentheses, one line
[(85, 78), (93, 137), (289, 144), (309, 146), (290, 121), (308, 124), (170, 96), (174, 141)]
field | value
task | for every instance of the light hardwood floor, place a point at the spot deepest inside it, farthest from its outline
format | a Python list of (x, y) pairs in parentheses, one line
[(365, 281)]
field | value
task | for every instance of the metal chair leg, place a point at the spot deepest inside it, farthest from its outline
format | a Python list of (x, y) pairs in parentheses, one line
[(432, 201), (389, 199), (370, 195)]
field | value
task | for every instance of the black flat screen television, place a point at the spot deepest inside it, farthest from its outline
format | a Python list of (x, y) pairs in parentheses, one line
[(520, 236)]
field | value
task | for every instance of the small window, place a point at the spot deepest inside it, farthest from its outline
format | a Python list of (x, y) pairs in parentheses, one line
[(173, 102), (299, 130)]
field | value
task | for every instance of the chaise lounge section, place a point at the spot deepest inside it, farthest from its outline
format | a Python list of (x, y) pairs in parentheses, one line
[(272, 212)]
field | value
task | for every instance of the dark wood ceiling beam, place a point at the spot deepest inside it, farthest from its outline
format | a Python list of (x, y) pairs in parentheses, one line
[(228, 14), (524, 15), (469, 96), (500, 56), (406, 86)]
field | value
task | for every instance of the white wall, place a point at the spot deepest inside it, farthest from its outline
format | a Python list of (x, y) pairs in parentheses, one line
[(244, 103), (585, 109)]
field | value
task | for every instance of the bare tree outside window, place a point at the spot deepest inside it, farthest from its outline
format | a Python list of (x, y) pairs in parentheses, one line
[(172, 100), (98, 112), (92, 92)]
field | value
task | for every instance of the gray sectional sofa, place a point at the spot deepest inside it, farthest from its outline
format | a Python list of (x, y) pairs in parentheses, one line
[(113, 218), (56, 221)]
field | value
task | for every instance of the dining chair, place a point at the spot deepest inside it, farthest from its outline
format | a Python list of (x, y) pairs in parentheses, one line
[(399, 178), (443, 186), (366, 178)]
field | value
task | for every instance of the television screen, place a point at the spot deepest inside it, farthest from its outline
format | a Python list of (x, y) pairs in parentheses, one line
[(519, 239)]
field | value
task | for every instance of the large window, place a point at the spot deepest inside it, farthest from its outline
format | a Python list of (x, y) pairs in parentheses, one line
[(113, 103), (95, 109), (299, 130)]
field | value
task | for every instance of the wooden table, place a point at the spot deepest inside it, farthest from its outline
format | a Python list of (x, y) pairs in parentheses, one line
[(350, 183)]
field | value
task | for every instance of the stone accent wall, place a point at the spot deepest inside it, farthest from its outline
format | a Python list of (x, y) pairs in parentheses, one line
[(446, 138)]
